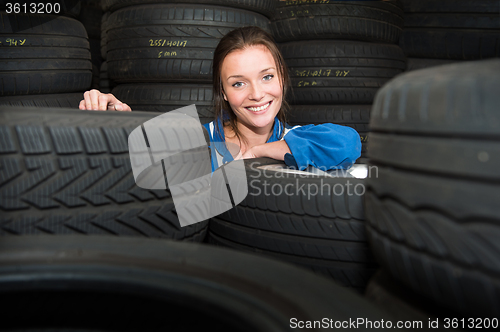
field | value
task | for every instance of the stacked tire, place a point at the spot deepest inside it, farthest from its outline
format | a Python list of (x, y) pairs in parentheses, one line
[(315, 221), (45, 60), (442, 32), (432, 209), (160, 52), (70, 172), (339, 53)]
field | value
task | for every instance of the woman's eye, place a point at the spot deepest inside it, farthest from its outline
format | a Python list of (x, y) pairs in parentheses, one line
[(237, 84), (268, 77)]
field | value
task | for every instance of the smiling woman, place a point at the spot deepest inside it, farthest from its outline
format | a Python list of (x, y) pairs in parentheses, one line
[(250, 82)]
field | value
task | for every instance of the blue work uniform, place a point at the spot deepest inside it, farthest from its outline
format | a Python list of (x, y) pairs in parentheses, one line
[(325, 146)]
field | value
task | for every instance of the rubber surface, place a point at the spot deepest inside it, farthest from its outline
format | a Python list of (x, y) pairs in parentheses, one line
[(404, 304), (46, 55), (433, 213), (290, 217), (170, 43), (421, 63), (325, 72), (105, 84), (167, 97), (69, 172), (168, 282), (461, 30), (64, 100), (374, 21), (104, 35), (265, 7), (90, 16)]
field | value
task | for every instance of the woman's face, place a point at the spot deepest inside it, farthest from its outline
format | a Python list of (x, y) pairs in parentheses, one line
[(251, 86)]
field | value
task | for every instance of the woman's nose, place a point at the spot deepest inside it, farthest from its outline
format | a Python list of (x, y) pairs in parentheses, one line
[(257, 93)]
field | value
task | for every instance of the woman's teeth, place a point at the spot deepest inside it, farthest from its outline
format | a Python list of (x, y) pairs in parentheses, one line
[(257, 109)]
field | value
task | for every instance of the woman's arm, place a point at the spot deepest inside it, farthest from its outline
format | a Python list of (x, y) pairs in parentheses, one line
[(275, 150), (326, 146), (98, 101)]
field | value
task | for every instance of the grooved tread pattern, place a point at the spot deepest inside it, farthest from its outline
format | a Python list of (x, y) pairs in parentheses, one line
[(375, 21), (324, 231), (265, 7), (426, 103), (65, 100), (460, 30), (453, 264), (104, 35), (170, 43), (340, 72), (434, 223), (51, 57), (167, 97), (65, 172)]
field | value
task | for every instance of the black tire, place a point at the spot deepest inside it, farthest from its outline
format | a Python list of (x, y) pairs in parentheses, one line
[(420, 63), (95, 77), (354, 116), (105, 84), (374, 21), (323, 232), (389, 294), (433, 213), (51, 55), (326, 72), (71, 8), (265, 7), (90, 16), (65, 100), (104, 35), (167, 97), (133, 31), (69, 172), (123, 284), (447, 29)]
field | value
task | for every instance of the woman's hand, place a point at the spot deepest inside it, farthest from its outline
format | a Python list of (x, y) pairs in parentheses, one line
[(98, 101), (275, 150), (250, 153)]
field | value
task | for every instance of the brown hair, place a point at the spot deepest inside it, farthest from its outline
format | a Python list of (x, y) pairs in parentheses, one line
[(236, 40)]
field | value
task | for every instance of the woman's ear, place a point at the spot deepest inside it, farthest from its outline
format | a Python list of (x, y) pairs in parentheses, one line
[(225, 98)]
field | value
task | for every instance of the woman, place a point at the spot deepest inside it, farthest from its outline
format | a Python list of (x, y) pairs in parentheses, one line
[(250, 82)]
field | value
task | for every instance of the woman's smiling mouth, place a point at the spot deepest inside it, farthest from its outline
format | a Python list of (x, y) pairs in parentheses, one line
[(259, 109)]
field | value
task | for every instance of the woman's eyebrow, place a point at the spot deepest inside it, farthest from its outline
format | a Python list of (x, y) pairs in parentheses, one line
[(239, 76), (266, 69)]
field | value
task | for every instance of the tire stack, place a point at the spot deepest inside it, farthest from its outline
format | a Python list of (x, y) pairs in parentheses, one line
[(433, 208), (45, 60), (160, 52), (339, 53), (447, 31)]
